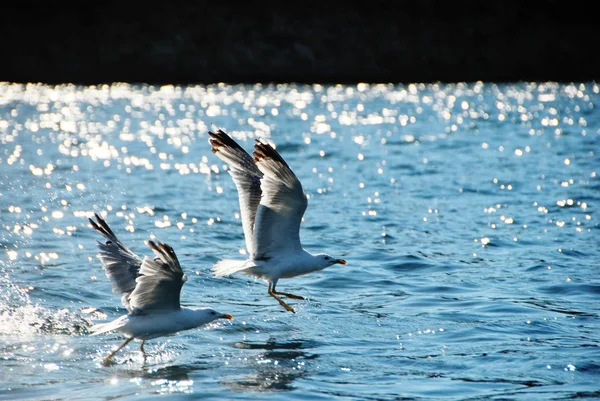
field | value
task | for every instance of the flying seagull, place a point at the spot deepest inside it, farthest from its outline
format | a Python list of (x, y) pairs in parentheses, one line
[(149, 289), (272, 204)]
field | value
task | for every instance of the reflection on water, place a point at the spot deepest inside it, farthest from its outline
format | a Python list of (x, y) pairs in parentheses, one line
[(273, 366)]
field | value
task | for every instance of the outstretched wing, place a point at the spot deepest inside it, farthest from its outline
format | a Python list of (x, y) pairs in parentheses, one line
[(246, 177), (283, 202), (158, 286), (120, 264)]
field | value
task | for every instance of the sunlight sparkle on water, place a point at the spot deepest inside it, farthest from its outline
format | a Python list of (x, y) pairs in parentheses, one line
[(468, 206)]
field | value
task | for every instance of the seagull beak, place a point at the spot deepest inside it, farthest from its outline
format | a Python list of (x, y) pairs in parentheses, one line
[(341, 261), (226, 316)]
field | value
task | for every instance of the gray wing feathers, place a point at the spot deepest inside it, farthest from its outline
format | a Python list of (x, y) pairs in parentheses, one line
[(282, 205), (120, 264), (158, 286), (246, 177), (271, 198)]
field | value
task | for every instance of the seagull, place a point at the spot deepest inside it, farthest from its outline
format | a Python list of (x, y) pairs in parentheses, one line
[(149, 289), (272, 204)]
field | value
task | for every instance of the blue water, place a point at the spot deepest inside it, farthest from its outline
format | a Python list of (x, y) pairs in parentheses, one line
[(467, 214)]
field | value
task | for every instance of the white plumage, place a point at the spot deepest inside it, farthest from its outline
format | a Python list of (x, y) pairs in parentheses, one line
[(150, 290), (272, 203)]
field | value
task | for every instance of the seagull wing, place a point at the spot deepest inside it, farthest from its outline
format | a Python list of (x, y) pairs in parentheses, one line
[(246, 177), (281, 207), (119, 263), (158, 287)]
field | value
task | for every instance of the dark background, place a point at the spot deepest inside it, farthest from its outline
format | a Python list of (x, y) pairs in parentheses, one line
[(326, 42)]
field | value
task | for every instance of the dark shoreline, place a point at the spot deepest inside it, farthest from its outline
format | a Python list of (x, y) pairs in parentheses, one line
[(379, 41)]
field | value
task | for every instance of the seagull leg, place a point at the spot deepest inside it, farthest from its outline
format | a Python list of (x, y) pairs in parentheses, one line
[(291, 296), (272, 293), (143, 350), (109, 356)]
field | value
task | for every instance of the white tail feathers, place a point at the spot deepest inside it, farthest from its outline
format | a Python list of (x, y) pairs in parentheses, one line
[(227, 267), (110, 326)]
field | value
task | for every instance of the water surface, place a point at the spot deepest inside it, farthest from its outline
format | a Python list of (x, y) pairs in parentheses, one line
[(467, 213)]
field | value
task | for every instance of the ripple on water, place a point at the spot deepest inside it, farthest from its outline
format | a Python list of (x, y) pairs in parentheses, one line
[(466, 211), (569, 287)]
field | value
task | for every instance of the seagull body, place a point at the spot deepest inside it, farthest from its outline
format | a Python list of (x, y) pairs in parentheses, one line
[(272, 203), (150, 291), (160, 324)]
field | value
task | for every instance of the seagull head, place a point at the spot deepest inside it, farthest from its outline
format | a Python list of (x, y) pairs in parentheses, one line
[(328, 260), (199, 317), (218, 315)]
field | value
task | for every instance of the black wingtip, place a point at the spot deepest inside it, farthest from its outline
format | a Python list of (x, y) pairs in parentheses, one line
[(101, 226), (168, 249), (153, 246), (220, 139), (164, 252), (160, 247), (266, 151), (215, 135)]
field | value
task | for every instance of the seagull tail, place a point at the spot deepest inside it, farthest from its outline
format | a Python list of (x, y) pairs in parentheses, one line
[(110, 326), (227, 267)]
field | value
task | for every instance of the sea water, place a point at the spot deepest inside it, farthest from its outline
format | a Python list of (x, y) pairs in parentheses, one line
[(468, 214)]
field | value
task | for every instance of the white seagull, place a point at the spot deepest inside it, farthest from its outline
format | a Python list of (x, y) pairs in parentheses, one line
[(272, 204), (149, 289)]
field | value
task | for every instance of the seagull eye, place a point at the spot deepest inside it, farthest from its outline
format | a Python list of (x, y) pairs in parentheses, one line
[(326, 257)]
